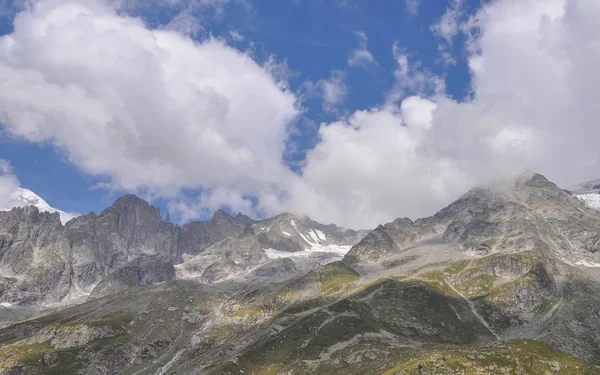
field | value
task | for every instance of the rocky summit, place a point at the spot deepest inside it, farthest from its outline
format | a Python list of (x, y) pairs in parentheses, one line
[(505, 280)]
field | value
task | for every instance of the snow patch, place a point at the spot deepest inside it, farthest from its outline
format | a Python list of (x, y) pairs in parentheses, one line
[(276, 254), (286, 233), (293, 223), (307, 240), (590, 200), (321, 235), (585, 263), (5, 304), (330, 253), (314, 236)]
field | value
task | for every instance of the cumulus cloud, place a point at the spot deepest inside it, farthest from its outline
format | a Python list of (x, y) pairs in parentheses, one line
[(152, 109), (365, 165), (534, 82), (332, 90), (361, 55), (149, 109)]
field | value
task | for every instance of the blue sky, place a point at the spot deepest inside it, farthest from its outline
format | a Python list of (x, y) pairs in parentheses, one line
[(306, 46)]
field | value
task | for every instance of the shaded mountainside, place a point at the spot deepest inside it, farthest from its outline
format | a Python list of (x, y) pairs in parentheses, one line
[(503, 281), (146, 270)]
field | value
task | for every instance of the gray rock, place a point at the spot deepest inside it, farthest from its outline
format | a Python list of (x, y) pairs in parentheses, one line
[(145, 270), (225, 259), (44, 261), (530, 213)]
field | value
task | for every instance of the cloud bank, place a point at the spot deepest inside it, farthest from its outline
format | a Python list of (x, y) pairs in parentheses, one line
[(146, 108), (153, 110)]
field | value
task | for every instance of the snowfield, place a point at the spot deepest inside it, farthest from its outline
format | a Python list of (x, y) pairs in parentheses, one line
[(591, 200), (331, 253)]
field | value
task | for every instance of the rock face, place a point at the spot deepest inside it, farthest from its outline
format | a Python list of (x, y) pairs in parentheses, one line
[(226, 259), (44, 261), (130, 228), (145, 270), (388, 239), (275, 269), (193, 238), (34, 256)]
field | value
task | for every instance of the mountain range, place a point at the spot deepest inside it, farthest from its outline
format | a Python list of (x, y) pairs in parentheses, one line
[(505, 280)]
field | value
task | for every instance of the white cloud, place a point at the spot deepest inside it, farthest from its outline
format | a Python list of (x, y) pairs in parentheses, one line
[(332, 90), (366, 168), (535, 79), (361, 56), (150, 109), (185, 22), (410, 78), (236, 35), (448, 27), (412, 6), (8, 183)]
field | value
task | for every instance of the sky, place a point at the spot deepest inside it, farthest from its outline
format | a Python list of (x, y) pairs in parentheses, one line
[(351, 112)]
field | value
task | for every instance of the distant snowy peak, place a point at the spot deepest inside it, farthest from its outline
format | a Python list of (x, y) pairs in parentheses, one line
[(306, 233), (589, 187), (588, 192), (25, 197)]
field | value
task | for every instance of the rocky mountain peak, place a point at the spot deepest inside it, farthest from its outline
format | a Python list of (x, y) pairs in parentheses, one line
[(128, 202), (30, 215), (535, 182), (221, 216), (241, 218)]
